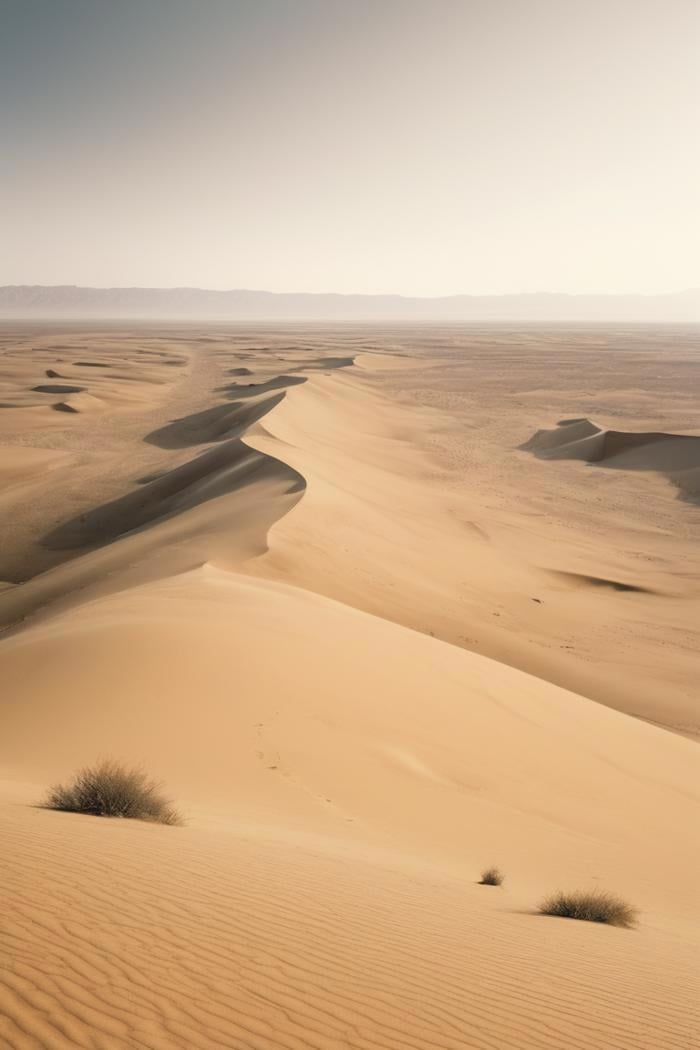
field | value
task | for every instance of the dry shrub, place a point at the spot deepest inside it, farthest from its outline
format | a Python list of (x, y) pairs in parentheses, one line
[(590, 906), (110, 789), (491, 877)]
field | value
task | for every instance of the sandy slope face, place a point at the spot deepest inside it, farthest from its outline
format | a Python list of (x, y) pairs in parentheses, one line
[(151, 468), (79, 399), (420, 507), (200, 939), (222, 565), (346, 780), (261, 696), (568, 585)]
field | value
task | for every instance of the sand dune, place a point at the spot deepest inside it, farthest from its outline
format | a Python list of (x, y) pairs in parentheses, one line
[(81, 401), (243, 390), (219, 423), (120, 374), (677, 456), (329, 609), (370, 491), (401, 947), (238, 941), (226, 468)]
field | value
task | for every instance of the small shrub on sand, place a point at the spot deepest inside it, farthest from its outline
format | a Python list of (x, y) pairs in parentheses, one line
[(109, 789), (593, 906), (491, 877)]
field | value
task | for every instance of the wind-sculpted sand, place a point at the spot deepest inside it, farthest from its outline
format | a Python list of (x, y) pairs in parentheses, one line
[(675, 456), (372, 644)]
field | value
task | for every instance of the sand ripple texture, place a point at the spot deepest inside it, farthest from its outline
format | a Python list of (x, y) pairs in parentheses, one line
[(162, 940)]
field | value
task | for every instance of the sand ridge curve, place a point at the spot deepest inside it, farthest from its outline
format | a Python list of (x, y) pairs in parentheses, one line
[(345, 776)]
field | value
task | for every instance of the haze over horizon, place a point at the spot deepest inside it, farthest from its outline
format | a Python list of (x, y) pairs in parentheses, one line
[(395, 148), (43, 302)]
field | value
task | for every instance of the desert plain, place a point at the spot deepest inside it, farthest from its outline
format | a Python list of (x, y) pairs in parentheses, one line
[(381, 606)]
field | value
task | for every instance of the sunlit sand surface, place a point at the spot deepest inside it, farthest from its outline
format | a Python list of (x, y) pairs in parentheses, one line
[(381, 607)]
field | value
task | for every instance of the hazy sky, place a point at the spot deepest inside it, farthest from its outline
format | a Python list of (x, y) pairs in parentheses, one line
[(425, 147)]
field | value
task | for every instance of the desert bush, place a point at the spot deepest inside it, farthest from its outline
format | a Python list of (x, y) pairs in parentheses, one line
[(491, 877), (591, 906), (110, 789)]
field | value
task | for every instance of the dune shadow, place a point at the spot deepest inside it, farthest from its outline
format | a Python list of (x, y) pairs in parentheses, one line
[(584, 580), (58, 388), (327, 364), (675, 456), (216, 472), (219, 423), (246, 390)]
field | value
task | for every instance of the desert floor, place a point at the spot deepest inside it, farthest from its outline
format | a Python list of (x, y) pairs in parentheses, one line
[(381, 607)]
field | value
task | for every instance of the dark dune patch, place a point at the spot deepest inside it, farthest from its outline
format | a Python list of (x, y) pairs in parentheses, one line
[(584, 580), (219, 423), (160, 357), (139, 377), (323, 364), (82, 402), (247, 390), (675, 456), (90, 364), (565, 441), (298, 348), (216, 472), (51, 374), (240, 371), (246, 351), (57, 388)]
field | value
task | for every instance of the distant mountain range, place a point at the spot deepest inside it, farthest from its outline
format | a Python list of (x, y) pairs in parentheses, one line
[(73, 302)]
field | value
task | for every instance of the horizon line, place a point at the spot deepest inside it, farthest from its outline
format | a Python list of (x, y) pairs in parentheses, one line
[(347, 295)]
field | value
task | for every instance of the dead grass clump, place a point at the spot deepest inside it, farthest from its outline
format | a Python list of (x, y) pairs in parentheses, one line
[(491, 877), (593, 906), (109, 789)]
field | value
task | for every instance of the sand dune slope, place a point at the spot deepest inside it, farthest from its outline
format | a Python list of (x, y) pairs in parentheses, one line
[(377, 529), (677, 456), (266, 592), (159, 938), (346, 779)]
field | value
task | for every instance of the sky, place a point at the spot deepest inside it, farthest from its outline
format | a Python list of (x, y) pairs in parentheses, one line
[(420, 147)]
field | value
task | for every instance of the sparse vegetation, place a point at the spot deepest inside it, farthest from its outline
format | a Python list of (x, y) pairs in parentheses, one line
[(491, 877), (110, 789), (590, 906)]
